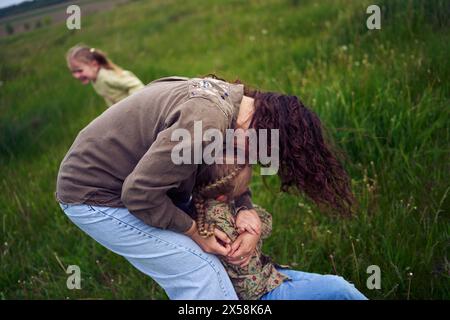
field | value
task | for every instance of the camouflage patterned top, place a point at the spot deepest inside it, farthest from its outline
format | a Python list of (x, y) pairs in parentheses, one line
[(260, 276)]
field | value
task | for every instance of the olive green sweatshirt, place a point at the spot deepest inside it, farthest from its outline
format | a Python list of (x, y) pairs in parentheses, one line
[(123, 157), (114, 86)]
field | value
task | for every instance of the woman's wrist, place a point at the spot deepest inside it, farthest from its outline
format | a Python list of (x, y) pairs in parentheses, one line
[(192, 230), (239, 209)]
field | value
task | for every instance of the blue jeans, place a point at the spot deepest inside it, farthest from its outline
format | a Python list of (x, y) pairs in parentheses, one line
[(312, 286), (172, 259), (180, 266)]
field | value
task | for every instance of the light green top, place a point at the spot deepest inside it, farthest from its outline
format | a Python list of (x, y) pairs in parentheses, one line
[(115, 86)]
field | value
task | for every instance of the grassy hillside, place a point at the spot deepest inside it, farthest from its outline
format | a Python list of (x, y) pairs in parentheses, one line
[(383, 94)]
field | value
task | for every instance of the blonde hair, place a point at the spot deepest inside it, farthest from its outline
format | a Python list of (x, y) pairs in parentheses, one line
[(211, 182), (86, 54)]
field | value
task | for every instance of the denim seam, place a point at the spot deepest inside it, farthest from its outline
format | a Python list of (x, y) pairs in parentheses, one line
[(63, 205), (142, 232)]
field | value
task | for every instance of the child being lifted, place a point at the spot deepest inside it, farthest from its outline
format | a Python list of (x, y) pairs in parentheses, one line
[(257, 277)]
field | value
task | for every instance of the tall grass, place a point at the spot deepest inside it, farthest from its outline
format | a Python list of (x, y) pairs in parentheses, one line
[(383, 94)]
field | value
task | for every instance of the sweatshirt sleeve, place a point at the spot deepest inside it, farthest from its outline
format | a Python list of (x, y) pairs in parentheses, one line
[(144, 191), (244, 201), (109, 102), (126, 81)]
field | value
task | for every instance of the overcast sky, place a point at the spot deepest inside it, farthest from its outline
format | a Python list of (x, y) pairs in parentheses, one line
[(7, 3)]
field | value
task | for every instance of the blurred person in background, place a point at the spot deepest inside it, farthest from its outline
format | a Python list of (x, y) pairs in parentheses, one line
[(109, 80)]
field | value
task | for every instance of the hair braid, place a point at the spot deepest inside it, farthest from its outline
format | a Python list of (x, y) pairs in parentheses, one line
[(208, 191), (200, 207), (221, 182)]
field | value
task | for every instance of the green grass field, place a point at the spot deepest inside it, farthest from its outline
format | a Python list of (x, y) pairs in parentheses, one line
[(383, 94)]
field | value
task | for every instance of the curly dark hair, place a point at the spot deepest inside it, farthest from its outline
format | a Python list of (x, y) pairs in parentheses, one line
[(307, 162)]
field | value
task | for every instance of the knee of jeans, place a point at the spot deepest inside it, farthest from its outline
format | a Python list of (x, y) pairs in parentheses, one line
[(210, 276), (210, 265), (340, 288)]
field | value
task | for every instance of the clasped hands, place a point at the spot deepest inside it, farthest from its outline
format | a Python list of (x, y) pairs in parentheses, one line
[(240, 251)]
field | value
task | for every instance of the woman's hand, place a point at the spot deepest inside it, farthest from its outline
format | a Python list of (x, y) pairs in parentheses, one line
[(217, 244), (248, 220), (242, 249)]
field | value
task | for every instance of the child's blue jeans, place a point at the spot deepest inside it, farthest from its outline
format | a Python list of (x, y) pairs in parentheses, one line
[(313, 286), (180, 266)]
